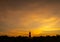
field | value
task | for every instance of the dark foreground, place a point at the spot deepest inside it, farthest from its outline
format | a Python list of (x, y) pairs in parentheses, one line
[(32, 39)]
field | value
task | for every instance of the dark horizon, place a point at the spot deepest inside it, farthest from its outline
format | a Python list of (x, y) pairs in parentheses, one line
[(30, 39)]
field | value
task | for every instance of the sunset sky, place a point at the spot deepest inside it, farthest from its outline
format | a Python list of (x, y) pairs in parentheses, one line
[(18, 17)]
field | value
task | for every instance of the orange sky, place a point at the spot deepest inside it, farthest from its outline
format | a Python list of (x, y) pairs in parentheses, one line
[(41, 17)]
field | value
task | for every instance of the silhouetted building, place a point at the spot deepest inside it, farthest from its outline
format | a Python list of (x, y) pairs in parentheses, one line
[(29, 34)]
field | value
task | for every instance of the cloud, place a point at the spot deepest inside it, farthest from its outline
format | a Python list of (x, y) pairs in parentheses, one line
[(28, 14)]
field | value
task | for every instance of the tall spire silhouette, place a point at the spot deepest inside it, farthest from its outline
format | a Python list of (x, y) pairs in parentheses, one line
[(29, 34)]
